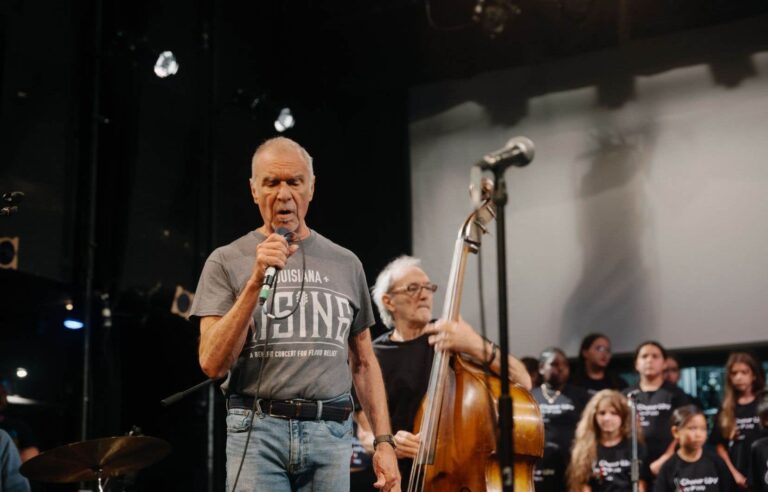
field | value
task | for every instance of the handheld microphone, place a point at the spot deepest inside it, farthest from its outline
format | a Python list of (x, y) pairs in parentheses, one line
[(518, 151), (270, 274), (13, 197), (10, 202)]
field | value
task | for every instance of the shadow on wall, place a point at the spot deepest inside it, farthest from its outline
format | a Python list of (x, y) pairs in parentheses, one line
[(614, 293)]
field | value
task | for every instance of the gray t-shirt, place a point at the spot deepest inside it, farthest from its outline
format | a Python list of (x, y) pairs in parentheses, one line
[(304, 355)]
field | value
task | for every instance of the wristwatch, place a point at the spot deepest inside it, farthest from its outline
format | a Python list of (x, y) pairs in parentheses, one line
[(388, 438)]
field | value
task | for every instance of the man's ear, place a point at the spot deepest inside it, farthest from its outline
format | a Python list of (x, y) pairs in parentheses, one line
[(386, 300)]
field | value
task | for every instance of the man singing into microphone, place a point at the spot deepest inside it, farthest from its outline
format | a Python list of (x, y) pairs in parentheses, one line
[(288, 359)]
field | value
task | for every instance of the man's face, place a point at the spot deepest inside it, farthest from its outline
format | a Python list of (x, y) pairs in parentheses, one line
[(555, 370), (413, 307), (282, 186)]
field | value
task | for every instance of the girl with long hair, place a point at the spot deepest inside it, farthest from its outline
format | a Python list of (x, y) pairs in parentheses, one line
[(602, 449), (737, 424), (692, 467)]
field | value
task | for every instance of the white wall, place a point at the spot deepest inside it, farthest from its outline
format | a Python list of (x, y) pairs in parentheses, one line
[(647, 220)]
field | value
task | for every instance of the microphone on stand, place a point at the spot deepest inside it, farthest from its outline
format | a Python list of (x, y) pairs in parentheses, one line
[(518, 151), (270, 274), (634, 471)]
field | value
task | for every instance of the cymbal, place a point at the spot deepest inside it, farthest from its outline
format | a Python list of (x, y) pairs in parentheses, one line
[(82, 461)]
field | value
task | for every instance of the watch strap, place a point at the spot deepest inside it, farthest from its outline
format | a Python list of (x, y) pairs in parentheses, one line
[(388, 438)]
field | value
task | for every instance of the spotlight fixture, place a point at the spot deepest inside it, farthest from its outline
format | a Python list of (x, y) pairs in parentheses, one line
[(21, 373), (285, 120), (494, 15), (182, 302), (9, 253), (166, 64), (73, 324)]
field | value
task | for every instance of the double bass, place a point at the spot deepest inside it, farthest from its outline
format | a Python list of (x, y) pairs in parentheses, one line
[(458, 420)]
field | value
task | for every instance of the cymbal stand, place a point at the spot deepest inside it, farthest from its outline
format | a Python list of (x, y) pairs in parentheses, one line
[(99, 483)]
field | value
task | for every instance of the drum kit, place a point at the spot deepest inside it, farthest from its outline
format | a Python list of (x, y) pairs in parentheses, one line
[(96, 460)]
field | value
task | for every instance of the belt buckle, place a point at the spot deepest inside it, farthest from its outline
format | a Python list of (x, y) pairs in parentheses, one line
[(271, 414)]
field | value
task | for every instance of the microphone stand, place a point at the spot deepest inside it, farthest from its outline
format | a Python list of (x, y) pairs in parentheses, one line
[(635, 466), (506, 411), (181, 394)]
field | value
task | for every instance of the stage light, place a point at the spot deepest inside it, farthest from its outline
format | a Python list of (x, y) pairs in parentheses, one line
[(166, 64), (182, 302), (285, 120), (21, 373), (69, 306), (73, 324), (9, 253)]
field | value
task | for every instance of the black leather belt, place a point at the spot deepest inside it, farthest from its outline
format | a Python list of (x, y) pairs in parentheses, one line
[(296, 409)]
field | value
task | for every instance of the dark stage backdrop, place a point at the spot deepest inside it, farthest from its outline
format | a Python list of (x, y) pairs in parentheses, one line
[(173, 167)]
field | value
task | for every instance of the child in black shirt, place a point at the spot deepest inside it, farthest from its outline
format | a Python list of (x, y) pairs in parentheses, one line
[(737, 425), (758, 462), (656, 400), (601, 457), (691, 469), (561, 405)]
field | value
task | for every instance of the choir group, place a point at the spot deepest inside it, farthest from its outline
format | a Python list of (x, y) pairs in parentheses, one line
[(588, 431)]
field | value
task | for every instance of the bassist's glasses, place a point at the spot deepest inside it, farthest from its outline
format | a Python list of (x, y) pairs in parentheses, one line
[(414, 289)]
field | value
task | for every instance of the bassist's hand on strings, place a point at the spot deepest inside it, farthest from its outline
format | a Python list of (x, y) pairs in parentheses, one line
[(457, 337), (460, 337), (407, 444)]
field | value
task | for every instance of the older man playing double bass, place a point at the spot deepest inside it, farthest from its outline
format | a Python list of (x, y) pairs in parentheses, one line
[(403, 294)]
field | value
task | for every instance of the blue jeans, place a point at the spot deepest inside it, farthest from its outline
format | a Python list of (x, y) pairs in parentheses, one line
[(288, 455)]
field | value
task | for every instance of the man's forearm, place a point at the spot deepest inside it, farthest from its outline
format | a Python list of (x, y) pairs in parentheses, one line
[(369, 386), (222, 339)]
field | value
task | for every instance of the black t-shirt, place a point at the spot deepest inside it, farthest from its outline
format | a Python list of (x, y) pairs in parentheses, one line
[(610, 381), (560, 417), (707, 474), (549, 472), (758, 464), (561, 414), (405, 367), (654, 408), (748, 428), (612, 470)]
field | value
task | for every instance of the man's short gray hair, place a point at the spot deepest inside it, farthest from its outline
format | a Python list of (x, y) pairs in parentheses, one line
[(384, 281), (284, 143)]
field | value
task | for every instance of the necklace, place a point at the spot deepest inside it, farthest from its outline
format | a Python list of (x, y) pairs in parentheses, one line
[(547, 396)]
